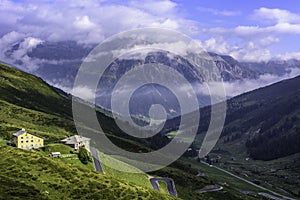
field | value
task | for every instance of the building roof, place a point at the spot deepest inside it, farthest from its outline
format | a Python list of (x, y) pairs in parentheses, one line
[(20, 132), (75, 139)]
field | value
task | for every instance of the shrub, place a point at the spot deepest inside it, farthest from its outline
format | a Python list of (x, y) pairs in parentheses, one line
[(83, 155)]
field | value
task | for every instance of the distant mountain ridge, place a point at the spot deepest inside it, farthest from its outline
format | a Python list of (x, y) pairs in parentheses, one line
[(58, 63)]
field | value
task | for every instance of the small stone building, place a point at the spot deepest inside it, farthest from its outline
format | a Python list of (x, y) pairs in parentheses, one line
[(77, 141)]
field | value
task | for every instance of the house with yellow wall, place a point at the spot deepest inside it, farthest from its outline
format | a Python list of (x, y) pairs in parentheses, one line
[(24, 140)]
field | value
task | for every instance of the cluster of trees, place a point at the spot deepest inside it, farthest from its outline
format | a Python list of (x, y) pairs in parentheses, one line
[(84, 156), (275, 143)]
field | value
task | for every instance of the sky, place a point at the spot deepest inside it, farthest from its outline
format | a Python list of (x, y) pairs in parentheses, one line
[(257, 30)]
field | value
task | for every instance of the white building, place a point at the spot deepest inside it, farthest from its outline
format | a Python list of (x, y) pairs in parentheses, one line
[(77, 141)]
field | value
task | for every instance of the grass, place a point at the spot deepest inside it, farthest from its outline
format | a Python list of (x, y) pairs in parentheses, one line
[(177, 134), (34, 176), (13, 118), (28, 102), (76, 161), (221, 177), (184, 173), (163, 187), (140, 178), (277, 175), (63, 149), (2, 142)]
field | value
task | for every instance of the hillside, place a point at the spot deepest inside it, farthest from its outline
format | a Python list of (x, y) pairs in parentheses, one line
[(48, 114), (28, 102), (261, 136), (266, 121), (268, 118), (28, 91), (34, 176)]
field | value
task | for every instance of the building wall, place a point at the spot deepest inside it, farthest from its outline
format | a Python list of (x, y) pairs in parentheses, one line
[(28, 141), (87, 145)]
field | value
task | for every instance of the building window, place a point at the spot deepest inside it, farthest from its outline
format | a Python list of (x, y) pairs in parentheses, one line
[(26, 141), (21, 137), (38, 140), (31, 141), (21, 141)]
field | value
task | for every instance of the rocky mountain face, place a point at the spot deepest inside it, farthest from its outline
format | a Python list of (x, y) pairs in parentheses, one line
[(58, 64), (232, 70)]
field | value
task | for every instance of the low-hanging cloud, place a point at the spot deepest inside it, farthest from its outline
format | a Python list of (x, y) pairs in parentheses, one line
[(238, 87)]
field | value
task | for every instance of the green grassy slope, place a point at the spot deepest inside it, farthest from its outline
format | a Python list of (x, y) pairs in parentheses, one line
[(28, 102), (264, 125), (28, 91), (30, 175), (47, 114), (268, 119)]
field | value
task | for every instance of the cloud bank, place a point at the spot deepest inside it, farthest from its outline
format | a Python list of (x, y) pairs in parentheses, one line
[(90, 22)]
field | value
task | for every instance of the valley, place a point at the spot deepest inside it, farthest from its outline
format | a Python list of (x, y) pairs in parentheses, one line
[(55, 124), (48, 113), (149, 100)]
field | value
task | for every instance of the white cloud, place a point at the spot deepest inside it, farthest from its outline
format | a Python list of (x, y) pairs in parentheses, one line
[(92, 21), (254, 49), (83, 92), (228, 13), (216, 45), (235, 88), (288, 56), (276, 15), (252, 55), (9, 39), (240, 87), (87, 21), (30, 43), (253, 43), (26, 44), (155, 7), (83, 22), (284, 28)]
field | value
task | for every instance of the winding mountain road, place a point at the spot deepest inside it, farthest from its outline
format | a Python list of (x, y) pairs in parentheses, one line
[(169, 183), (251, 183), (210, 188), (96, 160)]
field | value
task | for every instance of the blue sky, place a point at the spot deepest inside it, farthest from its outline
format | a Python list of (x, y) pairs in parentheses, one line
[(232, 13), (257, 30)]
